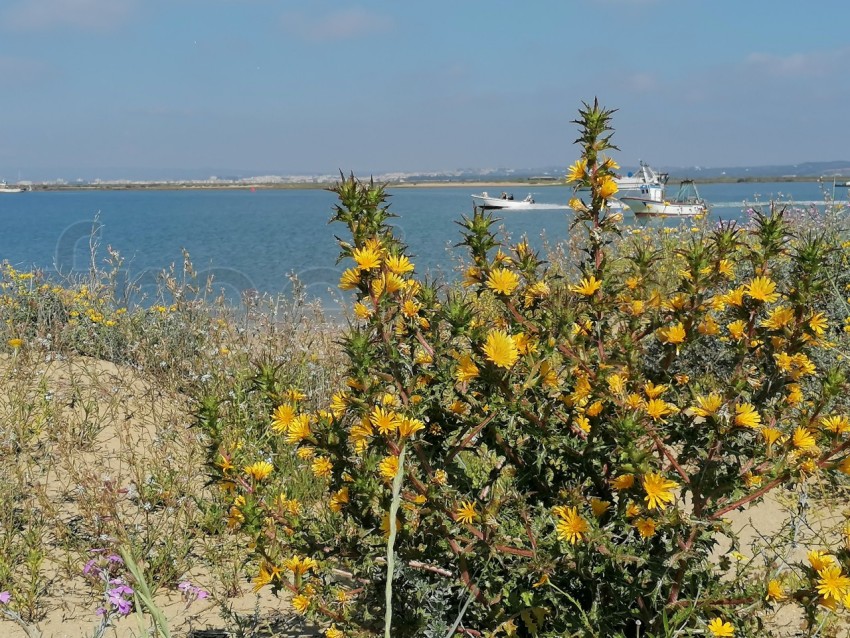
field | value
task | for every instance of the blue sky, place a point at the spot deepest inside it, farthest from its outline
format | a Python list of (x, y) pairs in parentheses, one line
[(111, 87)]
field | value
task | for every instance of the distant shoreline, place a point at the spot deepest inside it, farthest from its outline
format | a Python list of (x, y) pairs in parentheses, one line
[(231, 186)]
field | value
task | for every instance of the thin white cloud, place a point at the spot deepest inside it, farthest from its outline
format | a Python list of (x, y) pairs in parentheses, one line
[(88, 15), (816, 63), (14, 68), (627, 3), (344, 24), (641, 82), (163, 111)]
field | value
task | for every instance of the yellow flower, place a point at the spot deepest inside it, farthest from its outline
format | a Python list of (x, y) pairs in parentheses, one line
[(672, 334), (472, 276), (360, 433), (262, 579), (409, 427), (502, 281), (390, 282), (571, 527), (466, 369), (525, 344), (771, 435), (594, 409), (582, 327), (819, 560), (658, 492), (708, 326), (725, 268), (367, 258), (440, 477), (795, 393), (385, 420), (339, 403), (577, 171), (832, 584), (410, 308), (536, 291), (746, 416), (735, 297), (300, 603), (388, 468), (321, 466), (361, 311), (15, 343), (803, 439), (636, 307), (333, 632), (300, 565), (737, 329), (802, 366), (762, 289), (282, 417), (466, 513), (583, 423), (299, 429), (616, 383), (645, 526), (623, 482), (259, 470), (225, 463), (501, 349), (657, 409), (610, 164), (720, 628), (576, 204), (458, 407), (778, 318), (708, 406), (607, 188), (818, 323), (350, 279), (835, 423), (599, 506), (775, 591), (399, 264), (587, 286), (339, 499), (653, 391)]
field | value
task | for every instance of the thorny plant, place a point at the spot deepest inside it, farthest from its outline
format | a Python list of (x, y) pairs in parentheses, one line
[(550, 455)]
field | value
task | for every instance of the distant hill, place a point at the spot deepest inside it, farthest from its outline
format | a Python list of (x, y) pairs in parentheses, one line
[(787, 171)]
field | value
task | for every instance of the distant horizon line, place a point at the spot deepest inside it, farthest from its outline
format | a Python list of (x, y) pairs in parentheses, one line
[(141, 175)]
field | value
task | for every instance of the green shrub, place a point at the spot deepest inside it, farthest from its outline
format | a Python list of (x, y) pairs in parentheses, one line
[(533, 455)]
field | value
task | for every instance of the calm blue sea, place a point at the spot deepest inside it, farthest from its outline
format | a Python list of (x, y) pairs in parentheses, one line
[(256, 240)]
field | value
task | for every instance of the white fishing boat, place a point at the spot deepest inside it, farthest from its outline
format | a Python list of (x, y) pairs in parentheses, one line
[(507, 202), (653, 201), (645, 176), (5, 188)]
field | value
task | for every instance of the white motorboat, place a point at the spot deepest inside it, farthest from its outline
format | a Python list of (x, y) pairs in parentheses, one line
[(507, 202), (5, 188), (654, 202)]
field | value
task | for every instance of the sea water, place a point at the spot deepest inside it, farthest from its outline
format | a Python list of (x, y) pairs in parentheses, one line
[(258, 240)]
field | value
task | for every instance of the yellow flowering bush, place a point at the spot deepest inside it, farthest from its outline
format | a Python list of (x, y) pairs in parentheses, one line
[(533, 454)]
